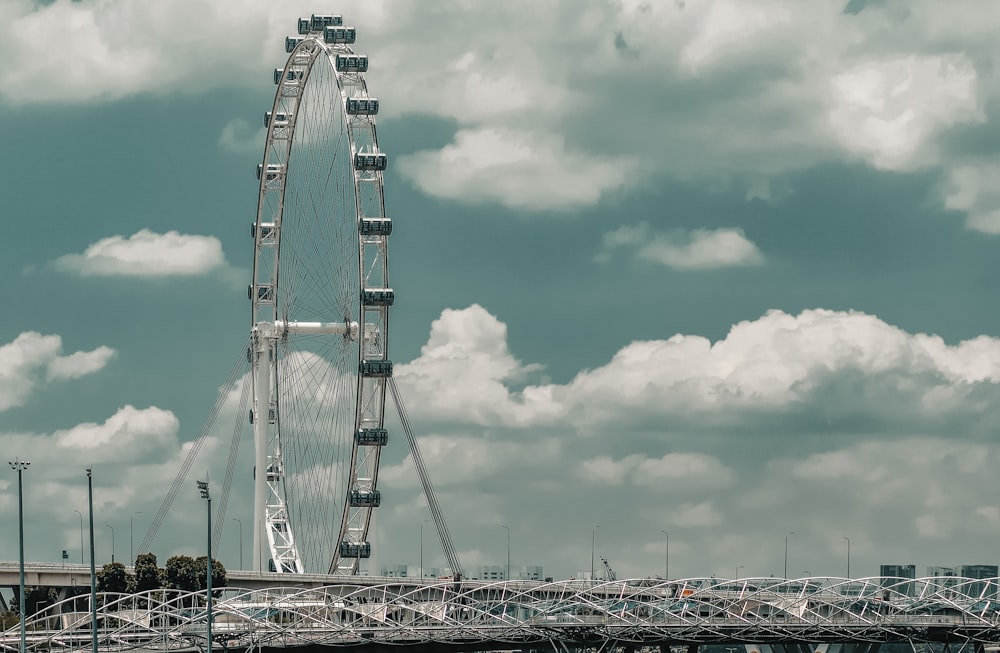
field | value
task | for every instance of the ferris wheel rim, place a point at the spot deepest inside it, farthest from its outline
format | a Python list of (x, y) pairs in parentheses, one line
[(310, 52)]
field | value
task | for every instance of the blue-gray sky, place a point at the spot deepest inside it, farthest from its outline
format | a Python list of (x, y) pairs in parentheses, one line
[(720, 268)]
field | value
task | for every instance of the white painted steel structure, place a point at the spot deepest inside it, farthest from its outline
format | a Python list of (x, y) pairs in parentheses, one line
[(566, 615), (320, 318)]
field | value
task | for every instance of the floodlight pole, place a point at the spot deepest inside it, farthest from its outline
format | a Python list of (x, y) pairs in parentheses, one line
[(93, 570), (203, 487), (19, 466)]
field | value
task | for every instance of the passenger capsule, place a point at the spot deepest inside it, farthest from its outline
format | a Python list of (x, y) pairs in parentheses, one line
[(362, 106), (339, 34), (352, 63), (371, 437), (355, 549), (378, 369), (365, 498), (271, 173), (375, 227), (319, 21), (376, 161), (377, 297), (292, 76), (291, 42)]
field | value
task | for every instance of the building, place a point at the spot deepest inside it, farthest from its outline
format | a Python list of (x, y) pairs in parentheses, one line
[(499, 572), (981, 589), (891, 573)]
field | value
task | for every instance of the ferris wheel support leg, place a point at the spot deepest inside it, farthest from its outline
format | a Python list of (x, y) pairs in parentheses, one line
[(261, 404)]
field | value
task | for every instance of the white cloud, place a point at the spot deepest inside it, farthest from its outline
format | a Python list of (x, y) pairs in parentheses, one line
[(974, 189), (518, 169), (130, 434), (605, 99), (147, 254), (887, 111), (697, 249), (23, 360), (240, 137)]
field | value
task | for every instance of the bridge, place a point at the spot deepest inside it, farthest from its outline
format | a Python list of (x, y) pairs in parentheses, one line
[(829, 615)]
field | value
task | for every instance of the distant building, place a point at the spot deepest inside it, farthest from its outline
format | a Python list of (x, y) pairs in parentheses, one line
[(890, 572), (409, 571), (897, 571), (499, 572), (980, 572)]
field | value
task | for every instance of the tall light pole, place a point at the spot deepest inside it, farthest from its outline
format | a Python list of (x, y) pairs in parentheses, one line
[(235, 519), (848, 555), (593, 545), (93, 570), (19, 466), (786, 552), (507, 573), (203, 487), (81, 534), (738, 567), (131, 548), (422, 547), (666, 555), (112, 542)]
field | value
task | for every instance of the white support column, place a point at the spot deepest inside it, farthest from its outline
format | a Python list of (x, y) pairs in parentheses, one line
[(261, 402)]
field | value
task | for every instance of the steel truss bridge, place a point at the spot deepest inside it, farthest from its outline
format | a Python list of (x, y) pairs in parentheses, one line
[(814, 614)]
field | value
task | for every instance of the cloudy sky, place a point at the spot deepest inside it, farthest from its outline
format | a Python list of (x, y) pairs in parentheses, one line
[(718, 268)]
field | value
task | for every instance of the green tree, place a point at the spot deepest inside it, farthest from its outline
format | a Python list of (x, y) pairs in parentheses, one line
[(183, 574), (113, 578), (147, 574), (218, 573)]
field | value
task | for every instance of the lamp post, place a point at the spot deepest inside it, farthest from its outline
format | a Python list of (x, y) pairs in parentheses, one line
[(786, 553), (738, 567), (203, 487), (593, 545), (19, 466), (93, 570), (81, 535), (848, 555), (112, 542), (235, 519), (422, 547), (507, 573), (131, 548), (666, 555)]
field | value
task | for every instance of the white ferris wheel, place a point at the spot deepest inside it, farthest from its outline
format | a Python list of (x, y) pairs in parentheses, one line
[(320, 321)]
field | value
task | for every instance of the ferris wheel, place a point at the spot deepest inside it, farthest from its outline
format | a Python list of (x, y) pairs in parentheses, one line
[(320, 318)]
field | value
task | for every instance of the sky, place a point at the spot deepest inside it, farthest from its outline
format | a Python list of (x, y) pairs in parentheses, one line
[(716, 269)]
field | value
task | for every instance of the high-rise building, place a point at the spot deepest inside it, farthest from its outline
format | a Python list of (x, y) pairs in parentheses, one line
[(981, 589), (890, 574)]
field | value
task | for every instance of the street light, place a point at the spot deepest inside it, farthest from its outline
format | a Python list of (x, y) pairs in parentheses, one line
[(81, 534), (738, 571), (203, 487), (19, 466), (422, 547), (507, 573), (786, 553), (112, 542), (593, 545), (848, 555), (666, 556), (131, 549), (93, 571), (235, 519)]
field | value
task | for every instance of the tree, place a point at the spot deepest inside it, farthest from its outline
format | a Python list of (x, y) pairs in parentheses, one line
[(183, 574), (147, 574), (113, 578), (218, 573)]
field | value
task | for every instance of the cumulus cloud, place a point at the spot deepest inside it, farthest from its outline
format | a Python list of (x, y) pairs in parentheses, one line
[(240, 137), (32, 359), (885, 111), (147, 254), (518, 169), (974, 189), (722, 87), (697, 249)]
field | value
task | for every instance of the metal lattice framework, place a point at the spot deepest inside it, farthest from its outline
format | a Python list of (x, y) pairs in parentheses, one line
[(320, 317), (570, 614)]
